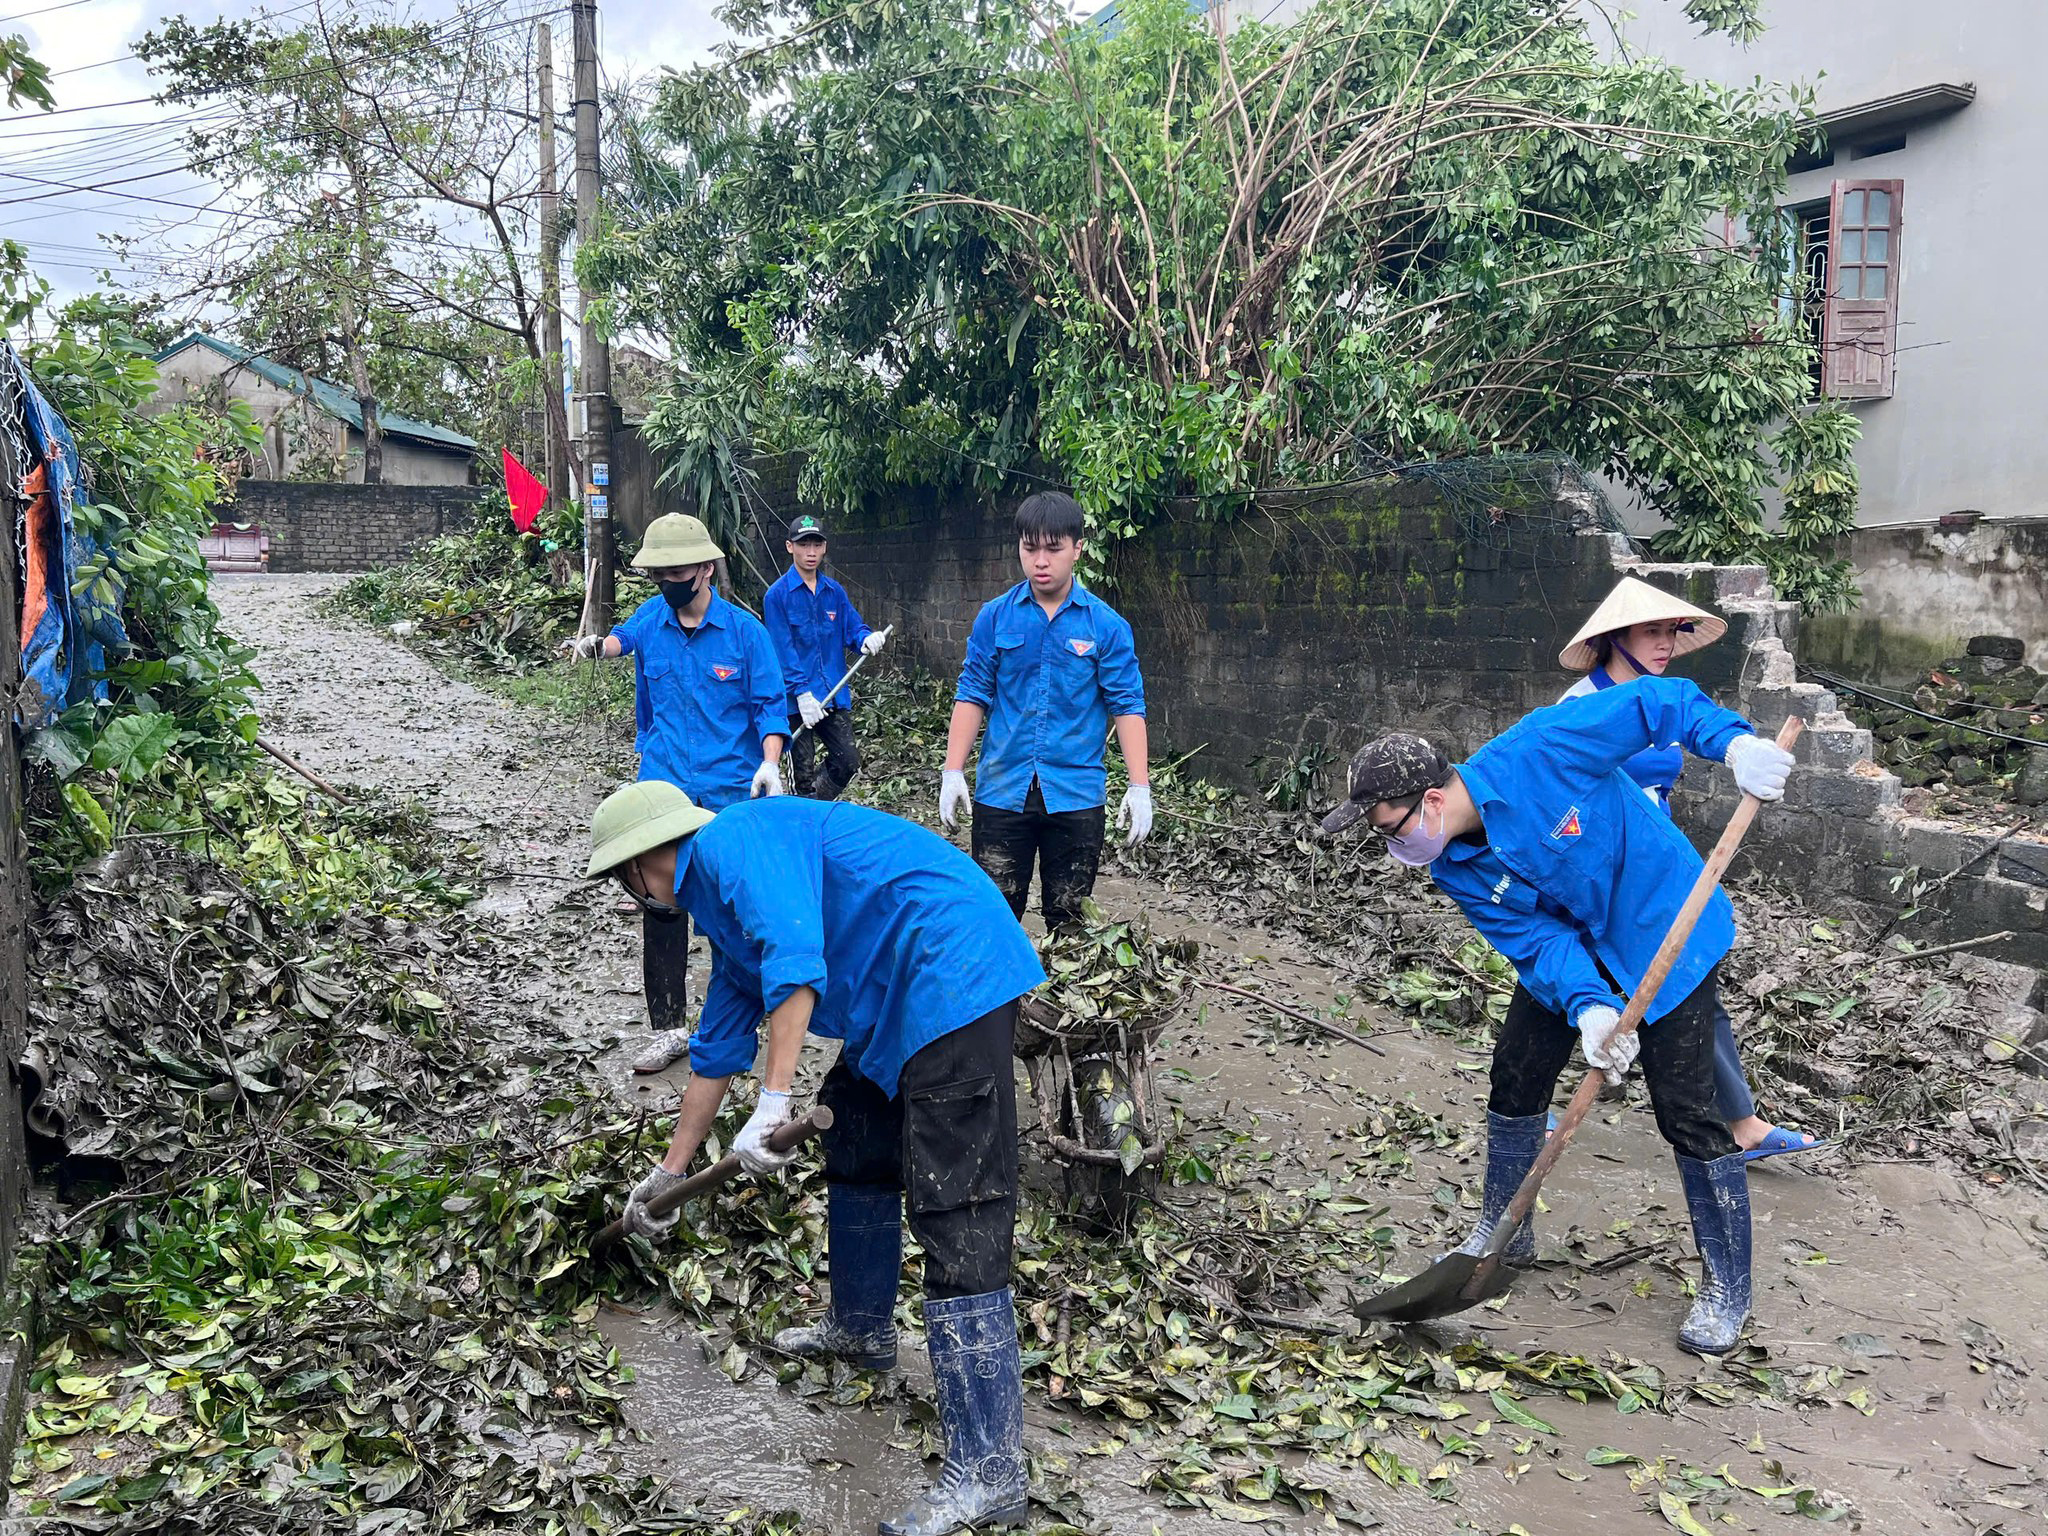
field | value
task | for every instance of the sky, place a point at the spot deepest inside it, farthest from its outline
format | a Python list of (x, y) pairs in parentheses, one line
[(111, 162)]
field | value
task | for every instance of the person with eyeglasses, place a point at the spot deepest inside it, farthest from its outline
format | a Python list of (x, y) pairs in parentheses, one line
[(1563, 866), (844, 922)]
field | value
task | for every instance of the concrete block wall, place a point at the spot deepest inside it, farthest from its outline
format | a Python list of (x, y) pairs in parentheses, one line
[(323, 527)]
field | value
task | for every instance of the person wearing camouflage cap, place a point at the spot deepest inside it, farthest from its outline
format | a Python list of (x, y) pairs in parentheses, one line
[(1565, 867), (708, 707)]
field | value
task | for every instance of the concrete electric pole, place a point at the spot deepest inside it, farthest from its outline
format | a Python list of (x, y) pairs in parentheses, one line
[(594, 385)]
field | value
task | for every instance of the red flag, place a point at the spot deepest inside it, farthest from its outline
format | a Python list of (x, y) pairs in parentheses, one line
[(527, 494)]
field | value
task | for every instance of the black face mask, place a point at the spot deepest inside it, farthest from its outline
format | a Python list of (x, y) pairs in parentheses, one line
[(679, 594)]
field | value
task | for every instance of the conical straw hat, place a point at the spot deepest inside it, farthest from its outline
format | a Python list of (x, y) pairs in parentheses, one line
[(1637, 602)]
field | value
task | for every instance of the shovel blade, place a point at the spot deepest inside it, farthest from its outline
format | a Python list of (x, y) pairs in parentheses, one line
[(1453, 1283)]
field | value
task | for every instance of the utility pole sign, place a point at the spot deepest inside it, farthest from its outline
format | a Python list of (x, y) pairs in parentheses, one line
[(594, 392)]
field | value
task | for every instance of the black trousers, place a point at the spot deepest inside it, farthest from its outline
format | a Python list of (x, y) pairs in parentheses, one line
[(1067, 846), (665, 971), (1677, 1059), (948, 1140), (842, 757)]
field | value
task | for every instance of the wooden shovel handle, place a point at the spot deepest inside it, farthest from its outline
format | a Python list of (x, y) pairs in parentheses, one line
[(724, 1171), (1667, 955)]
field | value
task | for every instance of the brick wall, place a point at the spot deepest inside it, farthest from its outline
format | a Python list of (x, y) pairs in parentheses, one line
[(1319, 618), (350, 527)]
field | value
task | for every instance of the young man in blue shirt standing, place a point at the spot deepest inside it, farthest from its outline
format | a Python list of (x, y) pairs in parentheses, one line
[(1566, 868), (1049, 667), (863, 928), (708, 703), (814, 624)]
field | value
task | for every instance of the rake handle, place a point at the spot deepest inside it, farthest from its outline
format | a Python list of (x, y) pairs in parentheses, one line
[(724, 1171), (1646, 991)]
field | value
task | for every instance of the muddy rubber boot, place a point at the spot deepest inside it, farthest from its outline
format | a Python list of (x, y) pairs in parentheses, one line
[(981, 1483), (825, 787), (1512, 1142), (864, 1227), (1717, 1195)]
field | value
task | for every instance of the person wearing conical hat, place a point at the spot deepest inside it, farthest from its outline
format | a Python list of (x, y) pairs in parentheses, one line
[(1637, 631), (708, 709)]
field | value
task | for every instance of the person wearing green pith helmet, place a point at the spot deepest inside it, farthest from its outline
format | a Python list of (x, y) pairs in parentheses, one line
[(841, 921), (708, 705)]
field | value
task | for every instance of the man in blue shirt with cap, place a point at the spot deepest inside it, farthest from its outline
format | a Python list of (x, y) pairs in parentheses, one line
[(814, 624), (842, 921), (1566, 868), (708, 704), (1050, 666)]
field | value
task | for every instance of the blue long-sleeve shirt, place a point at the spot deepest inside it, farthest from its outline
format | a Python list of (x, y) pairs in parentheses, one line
[(705, 700), (812, 632), (1655, 768), (1051, 688), (901, 935), (1578, 870)]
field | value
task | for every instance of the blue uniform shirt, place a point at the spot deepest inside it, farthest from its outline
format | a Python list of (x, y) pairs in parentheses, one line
[(706, 700), (1655, 768), (812, 632), (1051, 687), (901, 935), (1578, 866)]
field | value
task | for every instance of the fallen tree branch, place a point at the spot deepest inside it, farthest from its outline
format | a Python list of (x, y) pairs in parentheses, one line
[(1943, 949), (302, 771), (1293, 1013)]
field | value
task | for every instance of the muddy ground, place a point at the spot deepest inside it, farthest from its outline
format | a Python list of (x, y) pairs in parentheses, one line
[(1925, 1288)]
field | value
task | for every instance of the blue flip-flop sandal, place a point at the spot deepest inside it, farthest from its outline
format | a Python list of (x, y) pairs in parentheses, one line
[(1781, 1141)]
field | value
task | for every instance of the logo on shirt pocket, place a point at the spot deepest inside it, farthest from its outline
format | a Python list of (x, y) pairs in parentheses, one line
[(831, 613), (1567, 826), (724, 673), (1080, 647)]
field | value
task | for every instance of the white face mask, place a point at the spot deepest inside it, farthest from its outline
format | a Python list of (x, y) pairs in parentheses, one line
[(1417, 845)]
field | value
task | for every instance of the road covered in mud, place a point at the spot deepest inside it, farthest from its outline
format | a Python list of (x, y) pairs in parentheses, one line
[(1203, 1370)]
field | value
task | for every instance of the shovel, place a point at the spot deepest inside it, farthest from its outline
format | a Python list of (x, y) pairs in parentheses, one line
[(1461, 1280), (724, 1171)]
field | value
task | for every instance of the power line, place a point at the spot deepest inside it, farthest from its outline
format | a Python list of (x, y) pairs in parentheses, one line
[(46, 10)]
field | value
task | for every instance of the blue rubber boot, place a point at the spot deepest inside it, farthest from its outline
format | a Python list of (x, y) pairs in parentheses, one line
[(1717, 1195), (981, 1483), (864, 1226), (1512, 1142)]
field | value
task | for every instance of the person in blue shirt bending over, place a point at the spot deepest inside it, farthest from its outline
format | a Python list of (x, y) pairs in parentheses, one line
[(708, 701), (842, 921), (1049, 667), (1636, 632), (1564, 866), (814, 624)]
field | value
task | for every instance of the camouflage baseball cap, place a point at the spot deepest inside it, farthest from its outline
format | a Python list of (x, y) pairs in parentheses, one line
[(1394, 767)]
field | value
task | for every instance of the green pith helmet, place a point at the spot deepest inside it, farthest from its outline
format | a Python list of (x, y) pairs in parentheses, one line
[(677, 539), (638, 819)]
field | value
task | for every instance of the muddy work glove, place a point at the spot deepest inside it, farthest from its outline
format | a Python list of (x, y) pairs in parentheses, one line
[(1136, 813), (751, 1145), (767, 781), (584, 647), (809, 709), (654, 1228), (1605, 1048), (1760, 767), (952, 796), (875, 640)]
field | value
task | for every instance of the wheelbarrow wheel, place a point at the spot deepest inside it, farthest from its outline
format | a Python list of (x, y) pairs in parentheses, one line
[(1107, 1193)]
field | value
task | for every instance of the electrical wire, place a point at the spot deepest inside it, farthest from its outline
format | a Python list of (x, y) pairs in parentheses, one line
[(1913, 709)]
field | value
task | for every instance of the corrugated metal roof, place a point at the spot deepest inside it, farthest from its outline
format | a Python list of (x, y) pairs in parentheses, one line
[(330, 397)]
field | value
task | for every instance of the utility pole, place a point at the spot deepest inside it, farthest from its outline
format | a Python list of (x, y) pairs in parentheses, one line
[(595, 381), (557, 414)]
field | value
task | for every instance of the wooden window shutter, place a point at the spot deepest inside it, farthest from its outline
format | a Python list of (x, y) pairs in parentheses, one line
[(1860, 330)]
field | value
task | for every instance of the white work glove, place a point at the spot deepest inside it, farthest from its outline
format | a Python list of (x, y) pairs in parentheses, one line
[(875, 641), (767, 781), (584, 647), (1136, 813), (751, 1145), (1760, 767), (952, 795), (1612, 1053), (808, 707), (653, 1228)]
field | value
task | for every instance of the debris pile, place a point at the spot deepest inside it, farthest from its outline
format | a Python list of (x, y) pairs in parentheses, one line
[(1976, 729)]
